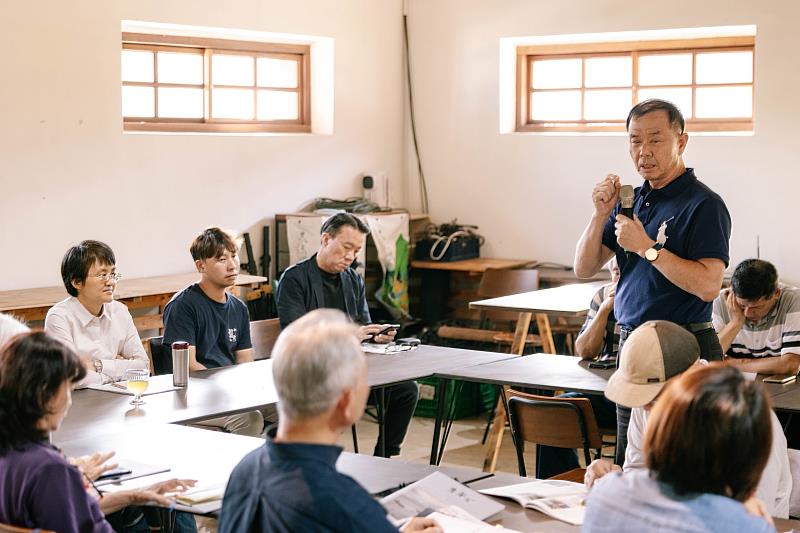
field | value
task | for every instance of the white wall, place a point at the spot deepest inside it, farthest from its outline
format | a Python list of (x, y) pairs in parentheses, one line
[(67, 172), (530, 194)]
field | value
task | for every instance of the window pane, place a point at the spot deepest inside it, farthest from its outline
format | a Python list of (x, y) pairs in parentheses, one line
[(608, 71), (138, 102), (665, 69), (725, 67), (680, 97), (277, 72), (277, 105), (180, 103), (724, 102), (607, 105), (556, 74), (232, 70), (232, 103), (180, 68), (556, 105), (137, 65)]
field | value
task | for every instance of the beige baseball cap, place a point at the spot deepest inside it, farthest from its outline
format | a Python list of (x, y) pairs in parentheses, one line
[(652, 354)]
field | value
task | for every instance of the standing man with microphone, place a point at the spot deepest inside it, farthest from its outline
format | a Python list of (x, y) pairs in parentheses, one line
[(672, 246)]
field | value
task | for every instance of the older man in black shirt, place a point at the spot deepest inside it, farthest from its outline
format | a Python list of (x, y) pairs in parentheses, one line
[(327, 280)]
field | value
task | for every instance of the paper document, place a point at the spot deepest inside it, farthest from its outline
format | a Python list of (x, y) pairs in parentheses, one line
[(121, 387), (371, 347), (436, 492), (563, 500), (453, 519), (390, 348), (201, 494)]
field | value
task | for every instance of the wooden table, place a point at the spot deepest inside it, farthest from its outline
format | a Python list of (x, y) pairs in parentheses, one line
[(478, 265), (567, 301), (137, 293), (551, 276)]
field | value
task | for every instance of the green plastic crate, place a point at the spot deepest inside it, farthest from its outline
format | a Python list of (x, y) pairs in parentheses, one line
[(470, 401)]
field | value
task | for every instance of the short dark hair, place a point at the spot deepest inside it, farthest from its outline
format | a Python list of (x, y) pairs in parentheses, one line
[(79, 259), (652, 105), (213, 242), (754, 279), (334, 224), (33, 366), (717, 406)]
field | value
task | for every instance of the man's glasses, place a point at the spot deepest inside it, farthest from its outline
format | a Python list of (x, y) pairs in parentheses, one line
[(114, 276)]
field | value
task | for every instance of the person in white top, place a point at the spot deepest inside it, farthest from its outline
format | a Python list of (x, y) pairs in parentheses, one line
[(653, 354), (90, 321)]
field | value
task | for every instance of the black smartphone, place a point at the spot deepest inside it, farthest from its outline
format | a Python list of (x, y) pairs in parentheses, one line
[(603, 363), (387, 329)]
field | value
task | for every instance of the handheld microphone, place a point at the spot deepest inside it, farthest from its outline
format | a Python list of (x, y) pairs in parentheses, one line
[(626, 201), (626, 207)]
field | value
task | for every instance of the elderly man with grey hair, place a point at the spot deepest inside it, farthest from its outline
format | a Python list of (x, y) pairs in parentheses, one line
[(291, 483)]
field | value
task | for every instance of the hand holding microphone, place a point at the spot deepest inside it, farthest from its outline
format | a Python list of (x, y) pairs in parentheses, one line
[(629, 230), (626, 201), (626, 196)]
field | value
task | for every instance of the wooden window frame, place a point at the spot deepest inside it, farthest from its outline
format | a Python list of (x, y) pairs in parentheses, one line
[(527, 54), (208, 47)]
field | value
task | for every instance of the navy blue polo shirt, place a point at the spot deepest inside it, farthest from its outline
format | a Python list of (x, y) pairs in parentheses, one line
[(287, 488), (216, 330), (696, 225)]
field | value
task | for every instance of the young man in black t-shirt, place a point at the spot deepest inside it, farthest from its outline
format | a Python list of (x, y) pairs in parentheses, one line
[(214, 322)]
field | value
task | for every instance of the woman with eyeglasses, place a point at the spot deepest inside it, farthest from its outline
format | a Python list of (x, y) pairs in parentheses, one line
[(708, 439), (39, 488), (90, 321)]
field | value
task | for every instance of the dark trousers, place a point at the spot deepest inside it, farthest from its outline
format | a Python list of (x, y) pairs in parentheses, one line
[(400, 402), (551, 461), (710, 350), (134, 519)]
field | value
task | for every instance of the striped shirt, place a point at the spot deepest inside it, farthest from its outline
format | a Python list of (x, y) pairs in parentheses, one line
[(776, 334), (611, 339)]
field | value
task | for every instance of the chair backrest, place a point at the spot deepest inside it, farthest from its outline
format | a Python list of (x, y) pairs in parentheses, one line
[(558, 422), (503, 282), (794, 469), (5, 528), (263, 334), (161, 356)]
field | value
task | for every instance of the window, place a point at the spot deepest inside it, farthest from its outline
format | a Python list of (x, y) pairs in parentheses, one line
[(184, 84), (591, 87)]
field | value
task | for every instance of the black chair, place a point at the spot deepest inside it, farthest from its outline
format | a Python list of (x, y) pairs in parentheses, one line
[(161, 356)]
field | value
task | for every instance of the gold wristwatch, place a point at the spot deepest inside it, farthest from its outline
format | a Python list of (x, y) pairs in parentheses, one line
[(651, 254)]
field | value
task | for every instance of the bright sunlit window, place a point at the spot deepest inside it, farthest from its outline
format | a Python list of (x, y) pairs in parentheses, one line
[(213, 85), (591, 87)]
